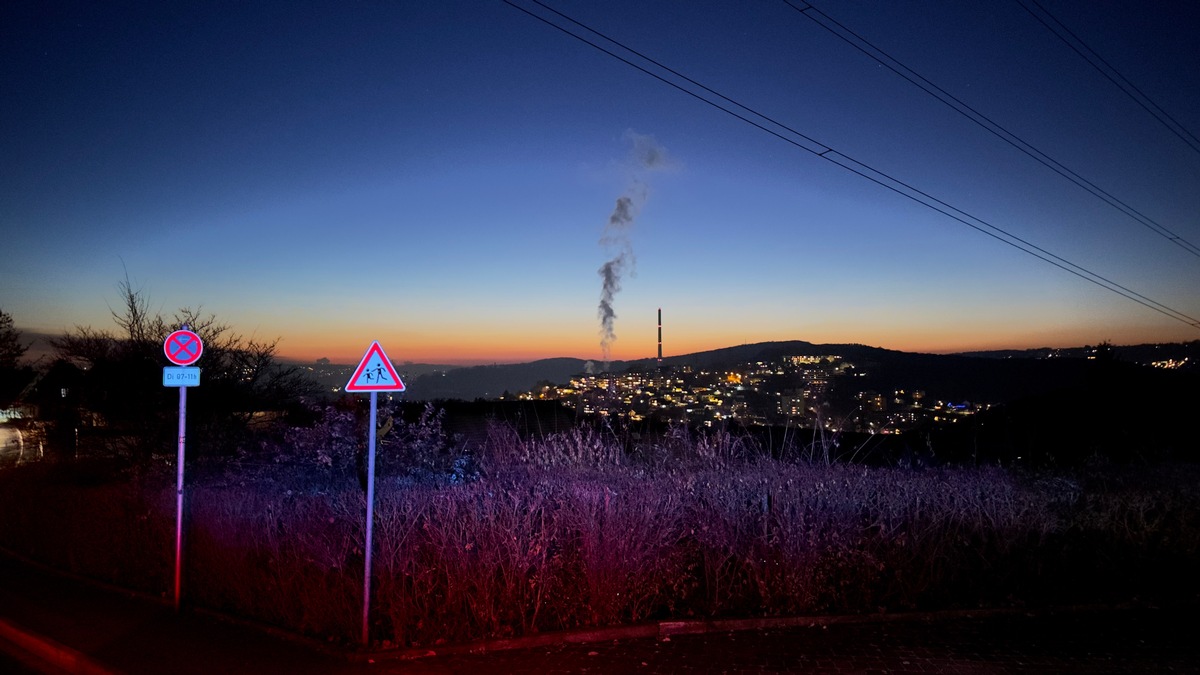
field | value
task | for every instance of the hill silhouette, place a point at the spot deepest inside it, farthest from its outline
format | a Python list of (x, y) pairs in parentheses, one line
[(948, 377), (488, 382), (987, 377)]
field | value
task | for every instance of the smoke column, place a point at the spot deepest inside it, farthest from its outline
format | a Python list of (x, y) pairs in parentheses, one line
[(647, 155), (615, 237)]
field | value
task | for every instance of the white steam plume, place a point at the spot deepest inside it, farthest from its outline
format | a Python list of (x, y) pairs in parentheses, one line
[(646, 155)]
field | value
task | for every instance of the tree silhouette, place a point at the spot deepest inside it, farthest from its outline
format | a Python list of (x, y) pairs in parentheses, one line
[(13, 376), (118, 376), (11, 349)]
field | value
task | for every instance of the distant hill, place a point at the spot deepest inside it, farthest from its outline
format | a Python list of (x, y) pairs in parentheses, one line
[(1143, 354), (947, 377), (985, 377), (489, 382), (38, 347)]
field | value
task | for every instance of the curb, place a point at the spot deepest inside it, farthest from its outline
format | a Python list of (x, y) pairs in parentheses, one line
[(663, 630), (49, 652), (578, 636)]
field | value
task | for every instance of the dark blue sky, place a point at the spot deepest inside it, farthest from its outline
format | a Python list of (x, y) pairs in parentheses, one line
[(437, 176)]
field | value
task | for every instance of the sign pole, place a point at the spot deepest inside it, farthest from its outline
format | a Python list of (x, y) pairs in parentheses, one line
[(183, 348), (179, 493), (375, 373), (370, 518)]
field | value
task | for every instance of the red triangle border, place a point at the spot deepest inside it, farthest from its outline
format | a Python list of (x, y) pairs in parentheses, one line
[(387, 363)]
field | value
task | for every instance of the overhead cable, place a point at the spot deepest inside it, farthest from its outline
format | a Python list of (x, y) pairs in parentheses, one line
[(834, 27), (702, 93), (1110, 73)]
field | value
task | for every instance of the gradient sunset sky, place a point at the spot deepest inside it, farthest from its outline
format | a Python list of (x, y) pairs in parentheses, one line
[(439, 176)]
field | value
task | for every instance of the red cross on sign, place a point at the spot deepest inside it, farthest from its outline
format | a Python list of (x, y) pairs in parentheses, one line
[(183, 347)]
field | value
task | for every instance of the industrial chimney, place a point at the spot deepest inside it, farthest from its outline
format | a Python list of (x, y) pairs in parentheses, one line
[(660, 338)]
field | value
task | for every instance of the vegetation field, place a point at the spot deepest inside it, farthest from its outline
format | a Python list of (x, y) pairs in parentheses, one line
[(513, 536)]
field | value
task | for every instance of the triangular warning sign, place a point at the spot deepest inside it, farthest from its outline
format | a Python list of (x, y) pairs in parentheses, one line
[(375, 373)]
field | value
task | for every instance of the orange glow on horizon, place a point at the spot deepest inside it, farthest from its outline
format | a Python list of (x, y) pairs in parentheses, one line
[(463, 347)]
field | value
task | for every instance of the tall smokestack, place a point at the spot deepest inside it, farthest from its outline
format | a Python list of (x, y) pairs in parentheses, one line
[(660, 338), (647, 155)]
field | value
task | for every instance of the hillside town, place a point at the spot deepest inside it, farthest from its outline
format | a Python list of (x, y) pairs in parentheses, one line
[(808, 391)]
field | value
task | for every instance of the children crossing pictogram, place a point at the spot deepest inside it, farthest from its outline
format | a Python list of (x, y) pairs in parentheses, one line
[(375, 373)]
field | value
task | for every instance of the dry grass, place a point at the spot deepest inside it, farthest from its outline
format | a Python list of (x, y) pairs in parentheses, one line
[(569, 532)]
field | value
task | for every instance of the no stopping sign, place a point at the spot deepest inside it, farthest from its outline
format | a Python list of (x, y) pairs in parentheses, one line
[(183, 347)]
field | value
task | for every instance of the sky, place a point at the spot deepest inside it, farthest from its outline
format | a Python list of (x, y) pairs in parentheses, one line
[(445, 177)]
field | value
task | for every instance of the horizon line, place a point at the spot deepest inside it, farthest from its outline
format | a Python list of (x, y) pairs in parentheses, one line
[(41, 346)]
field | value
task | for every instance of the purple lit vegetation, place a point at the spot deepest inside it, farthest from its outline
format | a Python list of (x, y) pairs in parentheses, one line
[(516, 536)]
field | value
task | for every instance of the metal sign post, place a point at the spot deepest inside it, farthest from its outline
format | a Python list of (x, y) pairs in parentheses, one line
[(183, 348), (370, 519), (179, 493), (374, 374)]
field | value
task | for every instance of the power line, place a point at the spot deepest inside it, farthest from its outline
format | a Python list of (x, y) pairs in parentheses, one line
[(828, 153), (1111, 74), (814, 14)]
